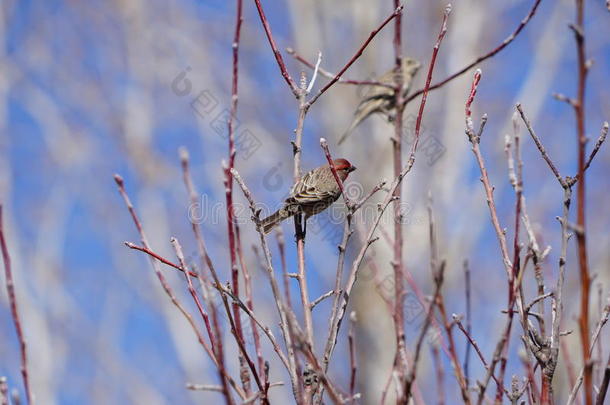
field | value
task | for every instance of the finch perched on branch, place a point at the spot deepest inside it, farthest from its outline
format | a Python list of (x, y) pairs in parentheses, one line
[(381, 99), (312, 194)]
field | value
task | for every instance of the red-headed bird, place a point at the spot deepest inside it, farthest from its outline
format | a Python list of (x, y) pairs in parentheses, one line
[(312, 194)]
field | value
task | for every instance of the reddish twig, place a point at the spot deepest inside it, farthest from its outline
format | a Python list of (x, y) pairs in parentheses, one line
[(352, 356), (600, 350), (598, 144), (459, 373), (540, 147), (517, 180), (397, 193), (10, 289), (163, 260), (276, 52), (300, 93), (330, 75), (283, 311), (533, 392), (603, 388), (567, 358), (337, 319), (225, 290), (249, 301), (438, 276), (400, 359), (473, 92), (600, 324), (440, 374), (203, 251), (474, 344), (468, 318), (281, 246), (333, 169), (482, 58), (228, 181), (217, 356), (549, 360), (475, 139), (514, 278), (581, 237), (183, 267), (397, 12)]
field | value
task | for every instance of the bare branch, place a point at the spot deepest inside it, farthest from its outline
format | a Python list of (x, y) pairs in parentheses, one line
[(276, 52), (358, 53), (482, 58), (216, 356), (322, 298), (277, 296), (540, 147), (330, 75), (10, 289), (596, 333)]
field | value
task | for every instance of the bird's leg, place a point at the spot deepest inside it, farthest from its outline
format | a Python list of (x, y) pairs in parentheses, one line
[(298, 225)]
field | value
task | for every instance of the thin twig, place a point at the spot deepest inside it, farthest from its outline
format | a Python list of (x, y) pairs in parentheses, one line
[(322, 298), (352, 355), (600, 350), (598, 144), (249, 301), (337, 319), (333, 169), (216, 356), (277, 296), (482, 58), (204, 315), (603, 388), (438, 276), (513, 273), (400, 358), (228, 183), (540, 147), (440, 375), (468, 318), (163, 260), (395, 14), (10, 289), (475, 140), (224, 290), (474, 344), (276, 52), (330, 75), (581, 237), (596, 333)]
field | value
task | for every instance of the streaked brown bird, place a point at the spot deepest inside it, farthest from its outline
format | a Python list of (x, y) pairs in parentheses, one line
[(381, 99), (312, 194)]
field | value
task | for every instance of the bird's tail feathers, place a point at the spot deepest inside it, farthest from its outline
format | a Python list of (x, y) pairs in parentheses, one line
[(364, 110), (274, 219)]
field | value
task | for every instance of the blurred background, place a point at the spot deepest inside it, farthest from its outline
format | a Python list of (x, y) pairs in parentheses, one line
[(89, 89)]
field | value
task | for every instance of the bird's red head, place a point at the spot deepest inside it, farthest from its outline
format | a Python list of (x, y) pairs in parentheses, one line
[(344, 168)]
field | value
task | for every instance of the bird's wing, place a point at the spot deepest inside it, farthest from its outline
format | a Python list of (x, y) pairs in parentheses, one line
[(311, 190), (377, 99)]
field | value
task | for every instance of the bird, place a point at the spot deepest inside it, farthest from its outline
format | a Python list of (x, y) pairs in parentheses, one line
[(381, 99), (312, 194)]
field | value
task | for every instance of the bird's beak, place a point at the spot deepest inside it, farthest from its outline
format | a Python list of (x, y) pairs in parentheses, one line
[(351, 169)]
